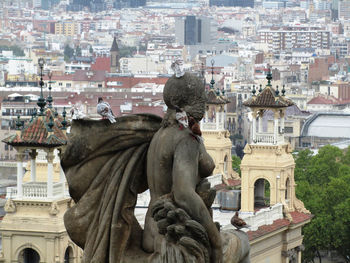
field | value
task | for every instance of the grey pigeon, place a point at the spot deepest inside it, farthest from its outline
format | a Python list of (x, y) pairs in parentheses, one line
[(104, 109)]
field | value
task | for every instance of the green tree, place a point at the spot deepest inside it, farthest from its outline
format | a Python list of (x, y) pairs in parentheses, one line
[(323, 184), (78, 51), (236, 164), (68, 52), (17, 51)]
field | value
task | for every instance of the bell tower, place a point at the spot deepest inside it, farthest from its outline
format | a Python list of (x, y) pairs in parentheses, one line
[(216, 136), (33, 229), (268, 166), (115, 66)]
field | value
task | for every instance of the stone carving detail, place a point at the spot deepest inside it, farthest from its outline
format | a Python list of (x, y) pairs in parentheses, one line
[(54, 210), (247, 149), (106, 172), (10, 206)]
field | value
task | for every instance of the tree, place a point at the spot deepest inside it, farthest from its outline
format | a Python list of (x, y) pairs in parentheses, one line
[(68, 52), (78, 51), (323, 184), (17, 51), (236, 164)]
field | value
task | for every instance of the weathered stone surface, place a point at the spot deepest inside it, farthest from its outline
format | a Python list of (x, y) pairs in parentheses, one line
[(107, 165)]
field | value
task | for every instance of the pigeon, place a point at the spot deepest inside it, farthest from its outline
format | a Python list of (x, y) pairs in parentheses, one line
[(77, 112), (238, 222), (104, 109)]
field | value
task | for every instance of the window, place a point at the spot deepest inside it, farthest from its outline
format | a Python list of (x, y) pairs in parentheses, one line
[(288, 129)]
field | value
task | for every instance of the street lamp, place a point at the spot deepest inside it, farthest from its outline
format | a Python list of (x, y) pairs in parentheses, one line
[(41, 101)]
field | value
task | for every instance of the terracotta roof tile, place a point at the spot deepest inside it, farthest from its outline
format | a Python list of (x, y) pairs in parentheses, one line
[(215, 99), (265, 229), (268, 98), (297, 217), (36, 133)]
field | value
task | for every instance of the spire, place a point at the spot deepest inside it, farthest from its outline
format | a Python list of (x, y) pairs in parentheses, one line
[(283, 90), (64, 122), (18, 123), (212, 82), (41, 101), (269, 77), (277, 92), (114, 45), (49, 98)]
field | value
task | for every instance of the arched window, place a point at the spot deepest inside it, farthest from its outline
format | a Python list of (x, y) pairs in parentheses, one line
[(28, 255), (68, 255), (261, 193)]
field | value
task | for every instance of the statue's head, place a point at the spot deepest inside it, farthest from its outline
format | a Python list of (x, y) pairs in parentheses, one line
[(187, 93)]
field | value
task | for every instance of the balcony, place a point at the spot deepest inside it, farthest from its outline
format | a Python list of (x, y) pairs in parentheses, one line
[(268, 138), (38, 191)]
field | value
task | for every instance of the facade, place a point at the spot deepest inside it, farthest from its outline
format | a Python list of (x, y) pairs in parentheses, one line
[(216, 137), (67, 28), (241, 3), (192, 30), (344, 10), (287, 38), (33, 229), (276, 218)]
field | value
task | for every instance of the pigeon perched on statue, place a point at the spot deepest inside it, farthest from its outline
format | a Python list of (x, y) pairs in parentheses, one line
[(104, 109), (238, 222), (77, 111)]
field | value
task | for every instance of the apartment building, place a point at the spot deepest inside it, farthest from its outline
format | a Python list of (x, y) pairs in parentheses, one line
[(67, 28), (288, 37)]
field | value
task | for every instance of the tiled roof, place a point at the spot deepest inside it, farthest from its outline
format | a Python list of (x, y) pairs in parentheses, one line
[(297, 217), (268, 99), (36, 133), (215, 99), (322, 99), (102, 63)]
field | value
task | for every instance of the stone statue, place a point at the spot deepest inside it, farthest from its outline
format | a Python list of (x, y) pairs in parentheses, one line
[(107, 165)]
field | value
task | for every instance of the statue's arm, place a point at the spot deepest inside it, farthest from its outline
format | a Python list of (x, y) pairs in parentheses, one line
[(185, 178)]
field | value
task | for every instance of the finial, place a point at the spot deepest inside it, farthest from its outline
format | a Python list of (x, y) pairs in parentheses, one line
[(18, 123), (269, 77), (64, 122), (212, 82), (260, 89), (277, 91), (217, 92), (283, 91), (223, 91), (56, 113), (254, 90), (49, 98), (50, 124), (41, 101)]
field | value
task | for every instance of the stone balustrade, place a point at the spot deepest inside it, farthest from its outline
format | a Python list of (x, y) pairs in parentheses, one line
[(37, 190)]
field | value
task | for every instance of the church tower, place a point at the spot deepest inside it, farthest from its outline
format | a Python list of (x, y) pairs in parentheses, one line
[(268, 166), (216, 137), (115, 66), (33, 229)]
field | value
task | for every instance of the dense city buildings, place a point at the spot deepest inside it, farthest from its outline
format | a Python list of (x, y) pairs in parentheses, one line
[(124, 50)]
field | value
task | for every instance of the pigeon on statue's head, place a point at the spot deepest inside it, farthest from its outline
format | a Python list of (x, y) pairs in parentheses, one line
[(104, 109)]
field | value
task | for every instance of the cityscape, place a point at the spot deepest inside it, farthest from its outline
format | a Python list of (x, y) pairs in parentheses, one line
[(276, 122)]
